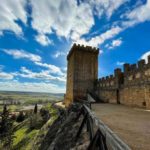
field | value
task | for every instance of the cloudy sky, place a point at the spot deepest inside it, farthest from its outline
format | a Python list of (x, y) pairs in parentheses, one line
[(36, 35)]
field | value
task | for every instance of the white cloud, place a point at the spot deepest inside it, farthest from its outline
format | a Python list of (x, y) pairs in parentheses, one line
[(64, 17), (138, 15), (73, 24), (42, 75), (42, 81), (101, 51), (133, 17), (52, 68), (17, 54), (114, 43), (67, 18), (25, 70), (119, 63), (10, 12), (43, 39), (58, 54), (145, 56), (32, 87), (36, 59), (6, 76), (106, 7), (100, 39)]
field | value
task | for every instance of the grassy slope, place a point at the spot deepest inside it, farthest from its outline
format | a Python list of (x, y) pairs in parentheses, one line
[(25, 138)]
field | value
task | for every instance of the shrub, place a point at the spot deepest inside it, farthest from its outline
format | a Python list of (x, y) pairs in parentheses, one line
[(20, 117)]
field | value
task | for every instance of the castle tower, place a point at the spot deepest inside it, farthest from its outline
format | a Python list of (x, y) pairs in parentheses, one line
[(82, 71)]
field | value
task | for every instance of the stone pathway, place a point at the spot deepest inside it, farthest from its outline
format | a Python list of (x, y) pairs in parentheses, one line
[(132, 125)]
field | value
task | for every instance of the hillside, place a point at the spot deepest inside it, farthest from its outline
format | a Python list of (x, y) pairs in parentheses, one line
[(51, 134)]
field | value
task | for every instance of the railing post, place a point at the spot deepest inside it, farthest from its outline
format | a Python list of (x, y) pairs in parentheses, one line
[(80, 113), (98, 142), (102, 141), (90, 127), (81, 127), (92, 145)]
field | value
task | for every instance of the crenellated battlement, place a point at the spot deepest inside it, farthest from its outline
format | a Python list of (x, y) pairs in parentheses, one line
[(78, 47), (107, 82), (140, 66), (130, 86), (131, 74)]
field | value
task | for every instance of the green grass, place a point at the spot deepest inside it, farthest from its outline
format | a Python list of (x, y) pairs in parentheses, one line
[(49, 107), (19, 135), (40, 136), (23, 138)]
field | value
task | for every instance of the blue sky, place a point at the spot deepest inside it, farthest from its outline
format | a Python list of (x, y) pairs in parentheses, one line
[(35, 37)]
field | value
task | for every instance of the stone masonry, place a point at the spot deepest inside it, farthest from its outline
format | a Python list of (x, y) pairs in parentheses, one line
[(81, 73), (130, 86)]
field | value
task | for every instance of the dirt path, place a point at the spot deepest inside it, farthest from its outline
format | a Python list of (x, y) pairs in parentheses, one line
[(132, 125)]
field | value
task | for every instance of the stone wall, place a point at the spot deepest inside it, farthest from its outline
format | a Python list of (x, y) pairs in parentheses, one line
[(130, 87), (86, 71), (70, 75), (107, 89), (134, 96)]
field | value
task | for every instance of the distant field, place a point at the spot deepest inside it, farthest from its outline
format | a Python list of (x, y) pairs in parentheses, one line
[(21, 99)]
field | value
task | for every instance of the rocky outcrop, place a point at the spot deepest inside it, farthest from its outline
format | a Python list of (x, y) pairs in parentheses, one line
[(62, 133), (77, 128)]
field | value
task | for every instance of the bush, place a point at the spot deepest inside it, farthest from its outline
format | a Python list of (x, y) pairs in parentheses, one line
[(6, 129), (44, 114), (20, 117)]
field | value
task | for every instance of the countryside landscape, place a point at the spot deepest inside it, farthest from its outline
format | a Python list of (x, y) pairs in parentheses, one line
[(74, 74), (28, 112)]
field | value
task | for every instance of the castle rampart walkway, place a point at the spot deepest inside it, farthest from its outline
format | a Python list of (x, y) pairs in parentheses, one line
[(132, 125)]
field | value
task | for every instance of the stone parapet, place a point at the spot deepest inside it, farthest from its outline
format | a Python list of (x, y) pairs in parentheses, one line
[(78, 47), (131, 85)]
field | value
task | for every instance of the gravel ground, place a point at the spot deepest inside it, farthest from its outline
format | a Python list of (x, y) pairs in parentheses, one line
[(132, 125)]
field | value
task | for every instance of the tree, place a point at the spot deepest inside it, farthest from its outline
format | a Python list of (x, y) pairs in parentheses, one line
[(4, 118), (44, 114), (6, 128), (35, 109), (20, 117), (33, 118)]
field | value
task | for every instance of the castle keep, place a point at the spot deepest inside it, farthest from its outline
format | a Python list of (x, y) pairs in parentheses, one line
[(82, 71), (130, 86)]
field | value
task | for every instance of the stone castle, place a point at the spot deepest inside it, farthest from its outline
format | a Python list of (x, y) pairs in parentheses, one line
[(129, 87)]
